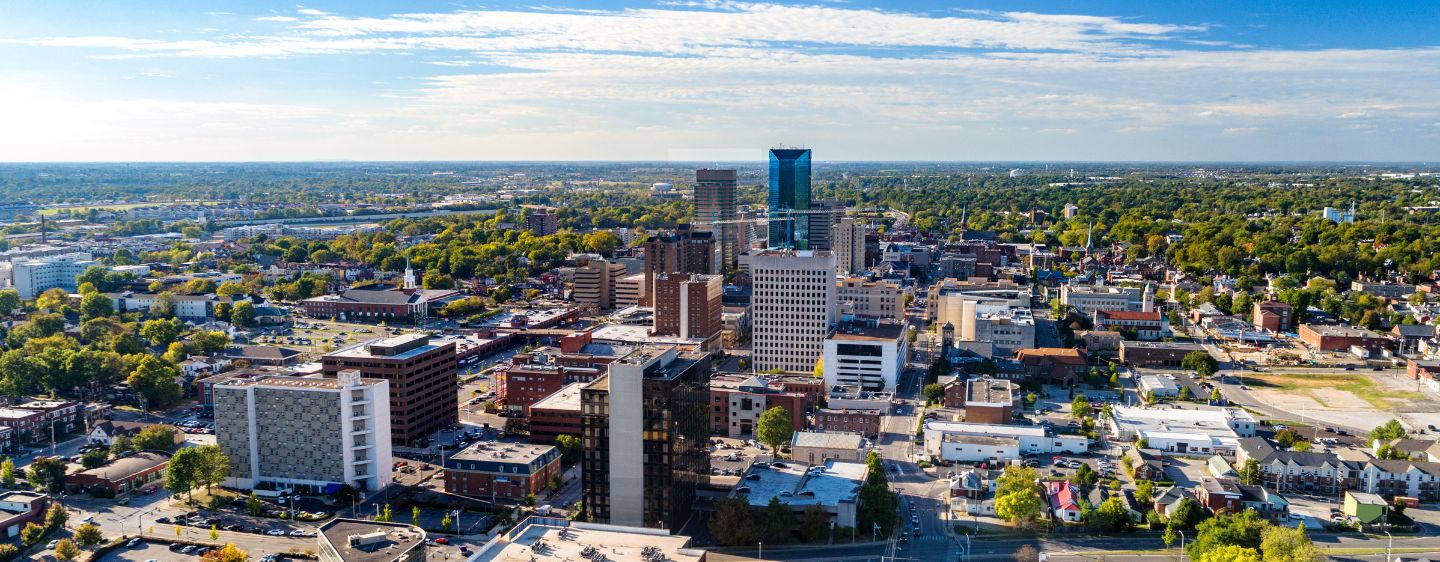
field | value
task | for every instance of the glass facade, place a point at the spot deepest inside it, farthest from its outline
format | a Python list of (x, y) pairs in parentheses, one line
[(789, 191)]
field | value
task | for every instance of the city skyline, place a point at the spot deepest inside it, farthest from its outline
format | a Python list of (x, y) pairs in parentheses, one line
[(705, 81)]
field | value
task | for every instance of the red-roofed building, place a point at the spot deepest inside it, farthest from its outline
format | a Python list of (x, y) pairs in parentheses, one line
[(1273, 316), (1064, 499), (1055, 364), (1148, 326)]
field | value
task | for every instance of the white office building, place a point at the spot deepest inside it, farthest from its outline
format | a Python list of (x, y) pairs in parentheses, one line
[(971, 442), (1089, 298), (870, 356), (305, 433), (1204, 431), (793, 307), (33, 276)]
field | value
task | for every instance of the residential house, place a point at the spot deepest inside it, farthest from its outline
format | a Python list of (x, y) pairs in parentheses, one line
[(1064, 500)]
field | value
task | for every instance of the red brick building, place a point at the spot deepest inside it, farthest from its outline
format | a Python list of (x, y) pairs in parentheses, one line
[(19, 508), (556, 415), (1274, 316), (523, 384), (422, 381), (1220, 494), (123, 474), (1341, 338), (864, 422), (688, 306), (991, 401), (736, 402), (1054, 364), (501, 470)]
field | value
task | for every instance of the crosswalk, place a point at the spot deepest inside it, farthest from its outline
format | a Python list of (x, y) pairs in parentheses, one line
[(929, 538)]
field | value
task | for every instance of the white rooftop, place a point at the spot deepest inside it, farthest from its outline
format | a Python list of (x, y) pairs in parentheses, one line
[(562, 540), (796, 483)]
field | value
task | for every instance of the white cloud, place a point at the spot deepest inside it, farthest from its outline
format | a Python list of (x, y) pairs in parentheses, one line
[(283, 19), (1241, 130)]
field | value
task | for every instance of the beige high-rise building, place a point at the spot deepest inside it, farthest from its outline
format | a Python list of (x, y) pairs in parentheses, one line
[(715, 212), (793, 304), (848, 243), (596, 283)]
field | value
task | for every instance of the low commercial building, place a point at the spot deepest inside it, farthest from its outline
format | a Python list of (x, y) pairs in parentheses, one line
[(355, 540), (122, 475), (573, 540), (1365, 507), (1053, 364), (19, 508), (816, 447), (951, 441), (1160, 386), (1342, 338), (556, 415), (863, 422), (501, 470), (737, 401), (1147, 326), (991, 401), (833, 485), (1201, 431), (1156, 354), (197, 308)]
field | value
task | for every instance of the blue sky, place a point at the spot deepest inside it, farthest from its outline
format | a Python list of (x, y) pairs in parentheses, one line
[(714, 80)]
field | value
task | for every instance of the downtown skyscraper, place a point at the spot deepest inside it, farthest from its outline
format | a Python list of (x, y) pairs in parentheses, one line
[(789, 198), (715, 211)]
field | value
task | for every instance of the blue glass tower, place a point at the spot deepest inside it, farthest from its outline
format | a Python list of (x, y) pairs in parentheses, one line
[(789, 191)]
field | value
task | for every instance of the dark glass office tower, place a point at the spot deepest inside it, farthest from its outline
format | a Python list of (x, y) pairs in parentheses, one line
[(789, 191)]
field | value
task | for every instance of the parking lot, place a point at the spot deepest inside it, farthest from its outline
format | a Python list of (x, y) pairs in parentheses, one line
[(729, 458), (147, 551)]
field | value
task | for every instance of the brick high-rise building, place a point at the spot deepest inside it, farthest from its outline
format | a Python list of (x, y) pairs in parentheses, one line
[(715, 212), (689, 306), (421, 376), (680, 251), (540, 220)]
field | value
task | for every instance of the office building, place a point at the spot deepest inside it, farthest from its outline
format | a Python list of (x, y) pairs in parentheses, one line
[(847, 241), (1274, 316), (645, 439), (871, 355), (991, 401), (305, 433), (715, 212), (30, 277), (540, 220), (422, 381), (628, 290), (793, 307), (789, 198), (1086, 299), (597, 283), (737, 401), (824, 215), (680, 251), (869, 298), (488, 469), (688, 306)]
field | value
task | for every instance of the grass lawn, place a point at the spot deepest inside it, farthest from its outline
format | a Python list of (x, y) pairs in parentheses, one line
[(1360, 386)]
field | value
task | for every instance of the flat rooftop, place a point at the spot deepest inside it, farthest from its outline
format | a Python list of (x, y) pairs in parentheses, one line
[(1341, 331), (562, 540), (989, 391), (885, 332), (403, 346), (636, 334), (509, 453), (567, 398), (797, 483), (292, 382), (827, 439), (985, 429), (397, 541)]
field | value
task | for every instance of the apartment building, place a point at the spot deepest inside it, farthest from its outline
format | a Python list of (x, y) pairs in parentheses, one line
[(501, 470), (33, 276), (421, 374), (305, 433), (862, 296), (793, 307), (848, 243), (689, 306), (540, 220), (737, 401), (596, 283)]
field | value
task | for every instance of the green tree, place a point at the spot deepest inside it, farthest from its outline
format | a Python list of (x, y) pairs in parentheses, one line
[(162, 331), (214, 533), (95, 458), (1144, 492), (934, 393), (1201, 362), (1242, 529), (1080, 407), (96, 305), (1169, 535), (163, 306), (121, 444), (8, 551), (253, 506), (1283, 544), (1086, 476), (1251, 474), (184, 472), (1188, 513), (570, 450), (156, 438), (775, 428), (1229, 553), (65, 550), (415, 516), (46, 475), (1017, 498), (155, 380), (242, 314), (1388, 431), (7, 473), (9, 301), (733, 524), (56, 517), (54, 300), (31, 534), (776, 522), (1111, 516), (446, 522), (88, 535), (815, 524)]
